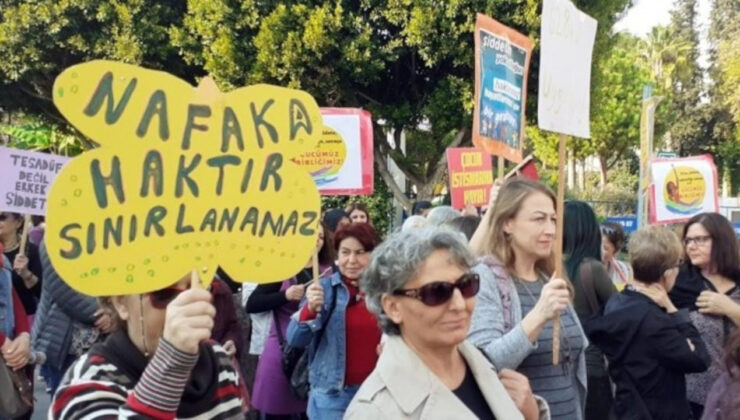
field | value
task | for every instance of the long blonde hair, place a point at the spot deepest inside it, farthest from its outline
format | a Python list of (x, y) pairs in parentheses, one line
[(508, 203)]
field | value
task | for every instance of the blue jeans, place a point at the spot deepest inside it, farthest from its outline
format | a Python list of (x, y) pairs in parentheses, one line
[(53, 376), (330, 406)]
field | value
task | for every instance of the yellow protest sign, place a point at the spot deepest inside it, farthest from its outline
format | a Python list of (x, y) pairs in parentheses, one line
[(185, 178)]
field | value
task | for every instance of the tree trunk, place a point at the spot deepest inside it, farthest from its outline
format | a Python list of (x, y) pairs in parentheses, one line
[(425, 191), (381, 166), (425, 187), (571, 171), (602, 178), (582, 175)]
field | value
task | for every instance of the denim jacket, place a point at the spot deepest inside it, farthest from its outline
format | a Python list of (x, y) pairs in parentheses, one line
[(328, 358), (7, 323)]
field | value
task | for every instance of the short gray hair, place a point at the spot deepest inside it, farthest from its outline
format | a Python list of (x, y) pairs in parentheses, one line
[(414, 222), (441, 215), (397, 260)]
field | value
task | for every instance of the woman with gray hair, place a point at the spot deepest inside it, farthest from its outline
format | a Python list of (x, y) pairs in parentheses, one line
[(441, 215), (420, 287)]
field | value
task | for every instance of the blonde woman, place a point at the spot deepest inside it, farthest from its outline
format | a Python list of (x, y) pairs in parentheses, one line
[(519, 301), (650, 344)]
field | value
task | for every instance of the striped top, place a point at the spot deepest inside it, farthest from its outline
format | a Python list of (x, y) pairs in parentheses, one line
[(114, 380), (556, 384)]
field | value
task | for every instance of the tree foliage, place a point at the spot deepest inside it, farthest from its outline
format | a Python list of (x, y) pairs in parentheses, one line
[(39, 39), (616, 102), (35, 134), (410, 62)]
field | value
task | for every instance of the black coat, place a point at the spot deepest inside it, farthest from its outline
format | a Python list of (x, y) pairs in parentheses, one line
[(648, 355)]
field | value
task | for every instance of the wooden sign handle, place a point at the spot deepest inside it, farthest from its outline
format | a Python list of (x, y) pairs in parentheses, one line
[(558, 251), (501, 163), (24, 235), (315, 264)]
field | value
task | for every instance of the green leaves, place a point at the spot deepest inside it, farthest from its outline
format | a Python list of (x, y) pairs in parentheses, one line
[(410, 62), (36, 135)]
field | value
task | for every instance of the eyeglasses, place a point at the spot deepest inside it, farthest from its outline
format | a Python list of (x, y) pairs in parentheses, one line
[(161, 298), (4, 217), (698, 240), (439, 292)]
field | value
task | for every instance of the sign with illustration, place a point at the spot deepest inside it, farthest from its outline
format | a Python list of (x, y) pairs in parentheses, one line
[(501, 65), (326, 160), (682, 188), (563, 103), (471, 176), (25, 179), (184, 178), (342, 162)]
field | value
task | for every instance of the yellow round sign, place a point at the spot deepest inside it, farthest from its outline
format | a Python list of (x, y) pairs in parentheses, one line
[(684, 190)]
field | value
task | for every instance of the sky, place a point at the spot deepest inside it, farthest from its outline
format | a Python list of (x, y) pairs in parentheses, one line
[(646, 14)]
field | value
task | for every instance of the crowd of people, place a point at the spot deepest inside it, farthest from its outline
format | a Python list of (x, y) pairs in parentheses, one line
[(454, 316)]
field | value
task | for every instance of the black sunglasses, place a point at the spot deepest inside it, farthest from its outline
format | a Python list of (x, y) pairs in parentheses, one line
[(439, 292)]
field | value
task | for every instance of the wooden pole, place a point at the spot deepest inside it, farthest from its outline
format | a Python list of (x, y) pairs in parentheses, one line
[(501, 162), (24, 235), (558, 251), (315, 264)]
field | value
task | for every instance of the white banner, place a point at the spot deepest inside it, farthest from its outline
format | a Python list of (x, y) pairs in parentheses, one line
[(565, 69)]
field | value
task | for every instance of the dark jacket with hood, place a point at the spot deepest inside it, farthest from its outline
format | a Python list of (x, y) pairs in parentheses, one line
[(648, 356)]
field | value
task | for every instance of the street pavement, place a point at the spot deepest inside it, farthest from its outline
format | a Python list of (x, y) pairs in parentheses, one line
[(41, 407)]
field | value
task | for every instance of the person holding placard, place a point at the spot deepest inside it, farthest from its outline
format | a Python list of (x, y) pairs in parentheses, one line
[(513, 319), (707, 286), (27, 272), (158, 363), (272, 394), (337, 329)]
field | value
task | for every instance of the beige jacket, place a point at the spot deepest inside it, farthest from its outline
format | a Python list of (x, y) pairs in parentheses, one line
[(402, 387)]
